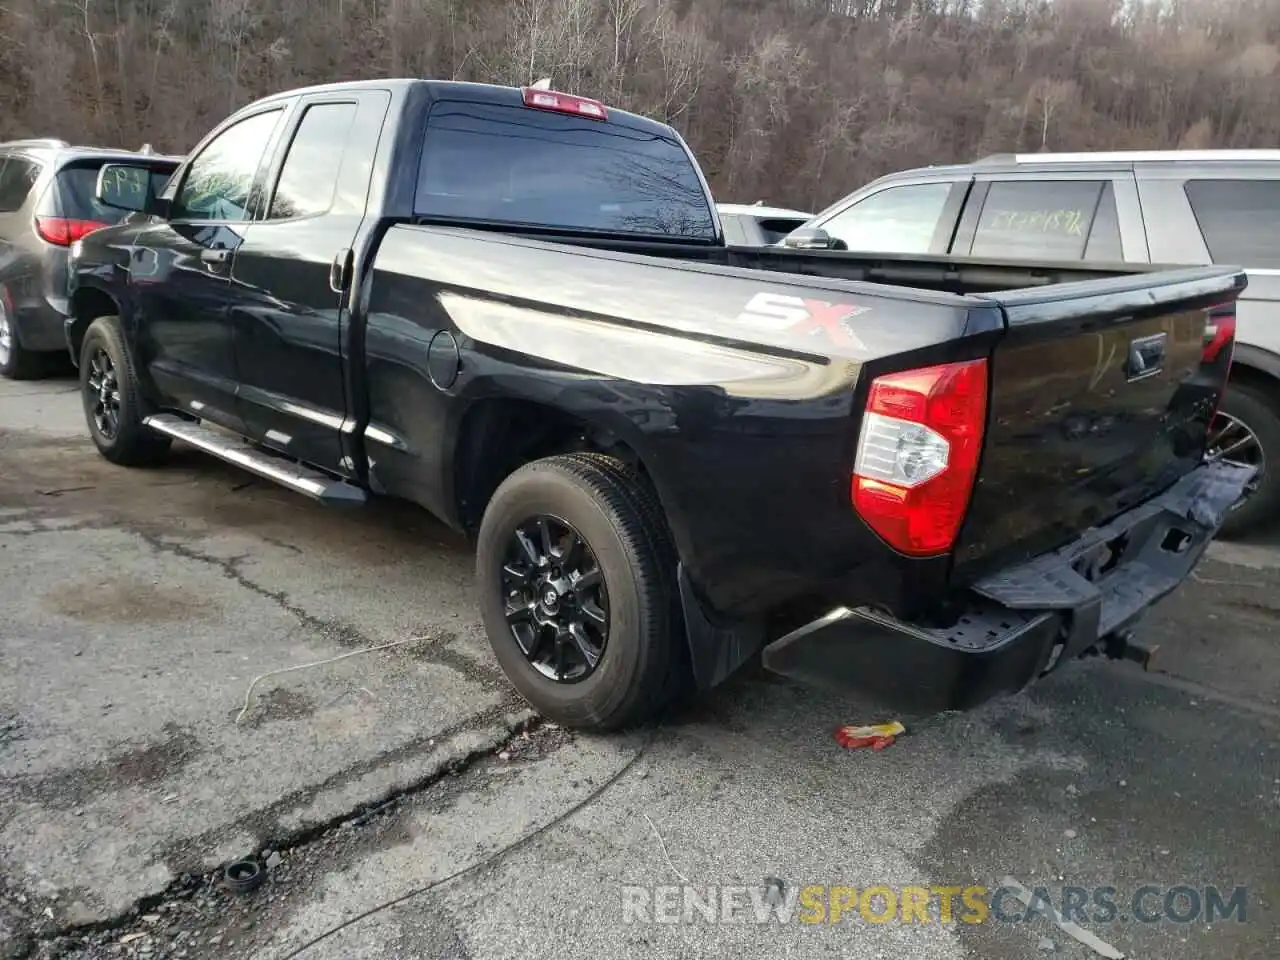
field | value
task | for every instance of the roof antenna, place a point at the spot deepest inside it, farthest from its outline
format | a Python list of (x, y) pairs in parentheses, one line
[(543, 84), (146, 149)]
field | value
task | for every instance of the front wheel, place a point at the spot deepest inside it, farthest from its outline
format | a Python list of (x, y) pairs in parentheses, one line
[(113, 407), (576, 590)]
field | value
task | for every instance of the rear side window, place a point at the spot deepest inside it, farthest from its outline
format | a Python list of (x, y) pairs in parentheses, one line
[(514, 165), (72, 194), (309, 176), (17, 177), (1240, 220), (1048, 220), (775, 229)]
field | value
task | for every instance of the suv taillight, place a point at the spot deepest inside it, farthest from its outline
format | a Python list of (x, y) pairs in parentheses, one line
[(63, 232), (918, 454), (1220, 333)]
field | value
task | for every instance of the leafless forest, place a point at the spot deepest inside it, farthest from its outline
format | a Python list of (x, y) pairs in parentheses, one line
[(794, 101)]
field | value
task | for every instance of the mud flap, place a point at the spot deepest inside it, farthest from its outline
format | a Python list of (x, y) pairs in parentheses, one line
[(716, 648)]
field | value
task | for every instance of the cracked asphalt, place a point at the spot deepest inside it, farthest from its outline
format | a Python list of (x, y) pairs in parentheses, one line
[(409, 806)]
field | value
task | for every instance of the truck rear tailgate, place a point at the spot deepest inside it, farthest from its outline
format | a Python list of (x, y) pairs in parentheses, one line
[(1101, 395)]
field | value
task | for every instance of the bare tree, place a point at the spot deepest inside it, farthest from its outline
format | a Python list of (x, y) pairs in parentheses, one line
[(798, 101)]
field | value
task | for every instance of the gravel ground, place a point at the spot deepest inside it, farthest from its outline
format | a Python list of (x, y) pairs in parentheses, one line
[(404, 804)]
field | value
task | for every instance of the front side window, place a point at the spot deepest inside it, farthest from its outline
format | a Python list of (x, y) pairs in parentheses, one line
[(1240, 220), (309, 176), (896, 220), (17, 177), (219, 182), (1044, 220)]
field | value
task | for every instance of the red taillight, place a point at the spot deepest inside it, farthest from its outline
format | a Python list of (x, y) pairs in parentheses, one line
[(63, 232), (1220, 333), (918, 454), (565, 103)]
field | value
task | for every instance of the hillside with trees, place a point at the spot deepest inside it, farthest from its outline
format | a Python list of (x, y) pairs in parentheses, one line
[(794, 101)]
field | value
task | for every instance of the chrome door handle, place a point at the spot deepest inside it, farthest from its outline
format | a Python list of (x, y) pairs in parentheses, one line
[(215, 256)]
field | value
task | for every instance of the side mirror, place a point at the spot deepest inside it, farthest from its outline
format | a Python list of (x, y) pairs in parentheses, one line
[(808, 238), (125, 187)]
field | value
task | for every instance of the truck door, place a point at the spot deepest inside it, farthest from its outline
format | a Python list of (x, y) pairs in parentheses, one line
[(290, 278), (180, 269)]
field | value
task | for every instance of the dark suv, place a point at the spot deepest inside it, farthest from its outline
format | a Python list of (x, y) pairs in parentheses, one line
[(1173, 207), (47, 203)]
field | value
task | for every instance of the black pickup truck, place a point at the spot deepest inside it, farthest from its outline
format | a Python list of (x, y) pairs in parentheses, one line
[(516, 309)]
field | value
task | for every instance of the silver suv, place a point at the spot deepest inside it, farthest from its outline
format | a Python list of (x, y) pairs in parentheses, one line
[(47, 203), (1172, 207)]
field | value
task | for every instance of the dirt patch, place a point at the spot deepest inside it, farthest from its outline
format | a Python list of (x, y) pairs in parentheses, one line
[(134, 766), (276, 705), (150, 763), (11, 728), (537, 743), (126, 600)]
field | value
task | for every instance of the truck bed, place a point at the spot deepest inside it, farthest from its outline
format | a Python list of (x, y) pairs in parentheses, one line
[(729, 362)]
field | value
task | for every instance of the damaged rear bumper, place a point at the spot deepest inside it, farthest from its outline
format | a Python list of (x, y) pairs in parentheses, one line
[(1024, 620)]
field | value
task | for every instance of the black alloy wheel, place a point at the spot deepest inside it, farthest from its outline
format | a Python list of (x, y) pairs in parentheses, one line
[(103, 395), (576, 570), (557, 605), (114, 408)]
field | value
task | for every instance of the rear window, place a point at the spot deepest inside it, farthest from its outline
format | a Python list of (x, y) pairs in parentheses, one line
[(73, 194), (775, 229), (515, 165), (1240, 220), (17, 177)]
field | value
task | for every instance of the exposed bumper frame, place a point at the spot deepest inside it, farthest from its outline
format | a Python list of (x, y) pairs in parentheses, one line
[(1026, 619)]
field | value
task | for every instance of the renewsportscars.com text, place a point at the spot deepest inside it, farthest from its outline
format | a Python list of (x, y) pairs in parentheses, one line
[(972, 904)]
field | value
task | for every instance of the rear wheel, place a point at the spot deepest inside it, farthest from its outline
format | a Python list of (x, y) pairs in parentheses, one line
[(576, 585), (113, 407), (15, 362), (1247, 430)]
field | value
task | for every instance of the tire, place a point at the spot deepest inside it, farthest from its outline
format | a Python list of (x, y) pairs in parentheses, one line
[(612, 509), (130, 444), (16, 363), (1260, 508)]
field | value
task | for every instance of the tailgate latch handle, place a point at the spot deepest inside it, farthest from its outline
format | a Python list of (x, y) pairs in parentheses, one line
[(1146, 356)]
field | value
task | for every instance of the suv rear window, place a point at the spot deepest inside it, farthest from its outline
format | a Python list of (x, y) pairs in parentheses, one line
[(72, 195), (514, 165), (1240, 220)]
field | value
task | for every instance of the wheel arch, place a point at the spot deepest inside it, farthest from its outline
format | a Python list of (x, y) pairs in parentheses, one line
[(87, 304), (493, 440), (1258, 368), (498, 435)]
